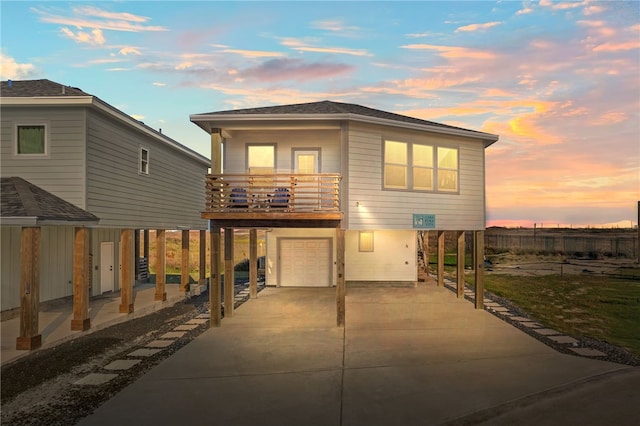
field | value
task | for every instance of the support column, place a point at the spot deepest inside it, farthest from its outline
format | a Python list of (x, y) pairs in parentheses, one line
[(460, 265), (184, 269), (81, 320), (253, 263), (214, 280), (203, 258), (229, 276), (425, 250), (216, 151), (440, 258), (161, 265), (126, 271), (145, 246), (136, 251), (341, 290), (29, 337), (478, 242)]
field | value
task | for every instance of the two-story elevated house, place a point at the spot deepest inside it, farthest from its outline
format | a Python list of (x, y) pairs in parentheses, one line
[(342, 189), (79, 177)]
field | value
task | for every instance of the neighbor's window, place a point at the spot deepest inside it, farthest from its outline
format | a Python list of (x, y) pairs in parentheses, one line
[(261, 159), (395, 165), (420, 167), (31, 140), (365, 241), (144, 161)]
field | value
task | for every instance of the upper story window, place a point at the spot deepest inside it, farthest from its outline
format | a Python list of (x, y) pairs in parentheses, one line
[(143, 162), (261, 159), (420, 167), (31, 139)]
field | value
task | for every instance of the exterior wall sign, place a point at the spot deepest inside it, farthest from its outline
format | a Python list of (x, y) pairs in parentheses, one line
[(424, 221)]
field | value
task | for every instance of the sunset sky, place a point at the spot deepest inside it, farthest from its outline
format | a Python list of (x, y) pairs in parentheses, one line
[(558, 81)]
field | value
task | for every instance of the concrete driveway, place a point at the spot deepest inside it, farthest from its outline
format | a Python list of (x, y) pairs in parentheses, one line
[(407, 356)]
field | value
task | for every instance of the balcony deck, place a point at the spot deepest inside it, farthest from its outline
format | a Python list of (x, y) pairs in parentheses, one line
[(273, 200)]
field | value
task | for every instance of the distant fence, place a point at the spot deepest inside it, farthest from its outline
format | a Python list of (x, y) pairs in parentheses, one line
[(619, 246)]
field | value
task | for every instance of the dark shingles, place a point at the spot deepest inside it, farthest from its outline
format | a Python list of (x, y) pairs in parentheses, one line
[(330, 107), (37, 88), (23, 199)]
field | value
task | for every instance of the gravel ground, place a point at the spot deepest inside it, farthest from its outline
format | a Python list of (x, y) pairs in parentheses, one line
[(39, 389)]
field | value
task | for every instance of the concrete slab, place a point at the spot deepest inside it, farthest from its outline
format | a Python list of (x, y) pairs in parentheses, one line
[(587, 351), (406, 356), (531, 324), (563, 339), (145, 353), (522, 319), (499, 309), (122, 364), (173, 335), (197, 321), (95, 379), (546, 331), (186, 327)]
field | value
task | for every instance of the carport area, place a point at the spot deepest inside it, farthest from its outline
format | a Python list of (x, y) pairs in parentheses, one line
[(406, 356)]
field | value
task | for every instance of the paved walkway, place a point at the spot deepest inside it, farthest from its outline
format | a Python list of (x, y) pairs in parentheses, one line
[(407, 356), (55, 319)]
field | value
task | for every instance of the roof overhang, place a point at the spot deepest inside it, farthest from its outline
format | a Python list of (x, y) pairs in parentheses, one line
[(36, 221), (231, 122), (94, 102)]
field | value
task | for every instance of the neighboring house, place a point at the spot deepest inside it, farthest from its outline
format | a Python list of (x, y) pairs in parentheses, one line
[(119, 172), (358, 185)]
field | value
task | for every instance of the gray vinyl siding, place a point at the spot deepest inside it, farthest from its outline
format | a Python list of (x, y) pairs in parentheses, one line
[(10, 267), (61, 172), (172, 195), (285, 140), (387, 209), (56, 264)]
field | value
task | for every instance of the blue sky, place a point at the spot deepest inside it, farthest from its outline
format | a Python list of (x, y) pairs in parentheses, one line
[(558, 81)]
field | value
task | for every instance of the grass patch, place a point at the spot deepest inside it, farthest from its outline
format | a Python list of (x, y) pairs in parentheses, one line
[(600, 307)]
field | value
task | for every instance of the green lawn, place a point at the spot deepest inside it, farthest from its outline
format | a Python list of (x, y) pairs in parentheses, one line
[(598, 306)]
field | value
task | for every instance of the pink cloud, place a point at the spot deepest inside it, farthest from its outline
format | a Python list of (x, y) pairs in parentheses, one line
[(293, 69), (453, 51), (478, 27)]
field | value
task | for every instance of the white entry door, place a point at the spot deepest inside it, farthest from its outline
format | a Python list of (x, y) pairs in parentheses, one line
[(107, 272), (305, 262)]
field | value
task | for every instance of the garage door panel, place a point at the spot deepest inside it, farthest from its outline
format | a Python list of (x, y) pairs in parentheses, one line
[(305, 262)]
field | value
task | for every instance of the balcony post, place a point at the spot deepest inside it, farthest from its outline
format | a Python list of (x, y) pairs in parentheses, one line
[(216, 151), (253, 263), (229, 278), (214, 281), (340, 285), (440, 258)]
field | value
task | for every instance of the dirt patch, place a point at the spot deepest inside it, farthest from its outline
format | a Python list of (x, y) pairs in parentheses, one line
[(520, 265)]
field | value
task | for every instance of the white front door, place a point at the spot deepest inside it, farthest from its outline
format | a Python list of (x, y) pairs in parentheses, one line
[(305, 262), (107, 272)]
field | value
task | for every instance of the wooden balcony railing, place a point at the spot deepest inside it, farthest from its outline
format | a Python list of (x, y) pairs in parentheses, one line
[(296, 193)]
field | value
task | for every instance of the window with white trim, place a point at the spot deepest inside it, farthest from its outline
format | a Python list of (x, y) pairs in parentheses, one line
[(143, 163), (420, 167), (31, 139)]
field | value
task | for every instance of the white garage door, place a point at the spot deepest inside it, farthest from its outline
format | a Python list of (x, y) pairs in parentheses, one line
[(305, 262)]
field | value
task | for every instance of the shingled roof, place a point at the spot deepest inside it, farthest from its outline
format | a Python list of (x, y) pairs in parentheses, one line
[(327, 108), (35, 88), (23, 203)]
